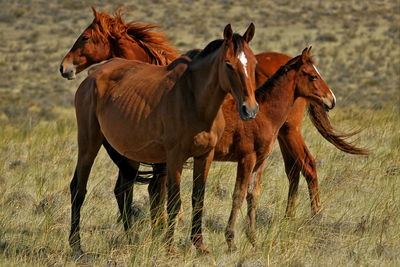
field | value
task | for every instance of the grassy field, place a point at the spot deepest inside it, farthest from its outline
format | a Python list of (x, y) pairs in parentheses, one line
[(356, 45)]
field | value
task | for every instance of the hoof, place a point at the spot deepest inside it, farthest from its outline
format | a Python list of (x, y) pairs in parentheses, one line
[(75, 244), (251, 236), (317, 217), (230, 240), (171, 250), (200, 247), (202, 250), (232, 248), (77, 253), (132, 239)]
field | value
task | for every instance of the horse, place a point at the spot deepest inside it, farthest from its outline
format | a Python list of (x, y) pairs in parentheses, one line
[(157, 114), (250, 143), (132, 39), (105, 38)]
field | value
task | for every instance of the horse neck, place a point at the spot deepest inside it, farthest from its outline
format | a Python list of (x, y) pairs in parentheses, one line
[(206, 90), (128, 49), (278, 97)]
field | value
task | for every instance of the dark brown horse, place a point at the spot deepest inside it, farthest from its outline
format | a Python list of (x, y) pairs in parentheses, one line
[(123, 40), (250, 143), (158, 114)]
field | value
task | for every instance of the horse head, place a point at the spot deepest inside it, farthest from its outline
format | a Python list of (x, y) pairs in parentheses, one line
[(92, 46), (237, 72), (309, 83)]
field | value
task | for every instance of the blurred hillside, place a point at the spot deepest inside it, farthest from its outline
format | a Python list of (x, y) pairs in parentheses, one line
[(355, 43)]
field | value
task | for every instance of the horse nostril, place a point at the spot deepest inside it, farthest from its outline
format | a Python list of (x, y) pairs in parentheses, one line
[(333, 103), (244, 110), (61, 69)]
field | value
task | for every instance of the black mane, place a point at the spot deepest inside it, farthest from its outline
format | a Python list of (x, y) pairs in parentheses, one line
[(237, 40), (291, 64)]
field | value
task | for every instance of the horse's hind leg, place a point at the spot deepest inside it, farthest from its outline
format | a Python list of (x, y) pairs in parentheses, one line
[(253, 192), (244, 170), (157, 191), (89, 142), (310, 173), (124, 191), (298, 158)]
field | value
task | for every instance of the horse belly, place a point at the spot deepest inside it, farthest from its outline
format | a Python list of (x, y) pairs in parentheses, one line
[(141, 141), (149, 153), (138, 148)]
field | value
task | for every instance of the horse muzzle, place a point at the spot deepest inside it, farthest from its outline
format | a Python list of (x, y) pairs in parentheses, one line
[(68, 72), (247, 112), (329, 104)]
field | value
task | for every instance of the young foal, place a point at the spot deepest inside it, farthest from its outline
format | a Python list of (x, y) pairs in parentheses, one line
[(167, 114), (250, 143)]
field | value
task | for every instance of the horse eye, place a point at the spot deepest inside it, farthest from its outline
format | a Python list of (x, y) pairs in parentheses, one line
[(229, 66), (313, 77), (85, 38)]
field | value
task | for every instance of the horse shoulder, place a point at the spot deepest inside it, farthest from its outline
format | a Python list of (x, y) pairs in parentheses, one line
[(114, 71), (177, 67)]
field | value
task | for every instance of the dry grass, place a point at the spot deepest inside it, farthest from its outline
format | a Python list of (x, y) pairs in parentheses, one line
[(356, 46)]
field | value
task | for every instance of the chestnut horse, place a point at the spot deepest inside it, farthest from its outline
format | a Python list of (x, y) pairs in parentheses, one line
[(158, 114), (250, 143), (108, 37)]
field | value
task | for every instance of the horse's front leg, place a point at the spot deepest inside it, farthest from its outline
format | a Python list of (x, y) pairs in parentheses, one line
[(200, 172), (244, 169), (175, 161), (253, 192), (89, 142)]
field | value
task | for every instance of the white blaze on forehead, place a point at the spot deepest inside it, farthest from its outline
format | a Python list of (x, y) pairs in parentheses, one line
[(317, 70), (334, 97), (243, 59)]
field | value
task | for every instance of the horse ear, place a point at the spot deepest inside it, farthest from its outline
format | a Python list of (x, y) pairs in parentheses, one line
[(304, 55), (248, 35), (95, 14), (228, 33), (309, 51)]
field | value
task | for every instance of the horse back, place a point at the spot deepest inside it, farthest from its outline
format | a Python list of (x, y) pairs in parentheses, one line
[(131, 96), (268, 64)]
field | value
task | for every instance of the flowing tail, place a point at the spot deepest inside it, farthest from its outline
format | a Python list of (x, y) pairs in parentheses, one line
[(320, 119)]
